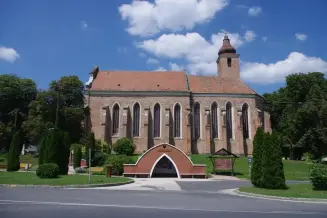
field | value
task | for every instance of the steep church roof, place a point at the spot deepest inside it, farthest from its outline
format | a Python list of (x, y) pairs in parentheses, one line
[(214, 84), (139, 81)]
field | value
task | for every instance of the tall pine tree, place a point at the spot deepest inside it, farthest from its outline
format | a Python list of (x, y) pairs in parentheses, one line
[(256, 172), (13, 163)]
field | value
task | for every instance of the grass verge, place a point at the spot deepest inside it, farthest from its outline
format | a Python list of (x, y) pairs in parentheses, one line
[(294, 191), (294, 170), (21, 178)]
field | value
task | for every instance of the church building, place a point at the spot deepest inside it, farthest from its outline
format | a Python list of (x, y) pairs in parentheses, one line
[(195, 114)]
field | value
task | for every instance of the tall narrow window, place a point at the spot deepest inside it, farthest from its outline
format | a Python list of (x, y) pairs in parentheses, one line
[(115, 120), (214, 121), (156, 122), (229, 125), (197, 120), (136, 120), (177, 120), (229, 62), (245, 121)]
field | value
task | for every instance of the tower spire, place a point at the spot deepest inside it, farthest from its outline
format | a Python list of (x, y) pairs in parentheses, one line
[(226, 47)]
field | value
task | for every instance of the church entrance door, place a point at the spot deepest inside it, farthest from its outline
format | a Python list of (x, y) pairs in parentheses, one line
[(164, 168)]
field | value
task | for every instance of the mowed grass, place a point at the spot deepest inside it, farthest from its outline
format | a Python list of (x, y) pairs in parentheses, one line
[(295, 191), (28, 178), (294, 170), (28, 158)]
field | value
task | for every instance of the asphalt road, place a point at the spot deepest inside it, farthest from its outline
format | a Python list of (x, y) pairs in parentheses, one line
[(86, 203)]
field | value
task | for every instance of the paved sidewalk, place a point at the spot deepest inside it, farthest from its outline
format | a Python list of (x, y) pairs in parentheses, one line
[(154, 184)]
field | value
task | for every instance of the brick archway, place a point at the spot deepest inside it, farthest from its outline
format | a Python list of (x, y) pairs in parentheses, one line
[(146, 163)]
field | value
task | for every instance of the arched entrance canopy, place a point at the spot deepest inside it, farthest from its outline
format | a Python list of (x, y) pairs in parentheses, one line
[(146, 164)]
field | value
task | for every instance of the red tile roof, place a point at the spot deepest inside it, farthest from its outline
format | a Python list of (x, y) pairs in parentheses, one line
[(214, 84), (140, 81), (167, 81)]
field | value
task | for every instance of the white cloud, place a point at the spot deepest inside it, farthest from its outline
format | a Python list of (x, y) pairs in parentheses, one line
[(152, 61), (83, 25), (8, 54), (199, 53), (254, 11), (265, 38), (142, 55), (301, 36), (160, 69), (176, 67), (249, 35), (146, 18), (276, 72)]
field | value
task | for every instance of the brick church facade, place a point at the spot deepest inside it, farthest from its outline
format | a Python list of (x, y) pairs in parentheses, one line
[(197, 114)]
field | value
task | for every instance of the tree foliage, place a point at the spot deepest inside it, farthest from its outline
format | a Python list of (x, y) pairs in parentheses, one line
[(299, 114), (42, 113), (256, 172), (55, 148), (15, 96), (13, 163)]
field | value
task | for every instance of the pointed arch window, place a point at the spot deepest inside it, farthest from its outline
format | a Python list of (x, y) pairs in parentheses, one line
[(245, 120), (214, 121), (115, 119), (197, 120), (177, 121), (156, 121), (136, 120)]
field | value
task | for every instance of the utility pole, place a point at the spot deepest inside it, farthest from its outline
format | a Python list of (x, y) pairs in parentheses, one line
[(90, 165)]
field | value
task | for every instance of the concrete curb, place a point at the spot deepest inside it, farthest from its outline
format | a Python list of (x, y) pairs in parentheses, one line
[(67, 186), (269, 197)]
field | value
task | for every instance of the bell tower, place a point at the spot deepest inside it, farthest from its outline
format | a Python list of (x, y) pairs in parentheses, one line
[(228, 61)]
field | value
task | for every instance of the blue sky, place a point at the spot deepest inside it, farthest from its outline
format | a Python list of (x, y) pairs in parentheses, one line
[(45, 40)]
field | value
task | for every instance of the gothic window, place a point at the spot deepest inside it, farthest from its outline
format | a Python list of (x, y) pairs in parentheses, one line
[(136, 120), (245, 121), (177, 120), (115, 119), (229, 62), (156, 121), (214, 121), (197, 120)]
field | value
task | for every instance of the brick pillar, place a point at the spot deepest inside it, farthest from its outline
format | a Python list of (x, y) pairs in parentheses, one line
[(207, 134), (103, 121), (188, 131), (124, 129), (146, 122), (166, 125)]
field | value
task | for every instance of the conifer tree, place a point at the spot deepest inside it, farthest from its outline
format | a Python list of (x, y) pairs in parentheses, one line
[(256, 172), (13, 163)]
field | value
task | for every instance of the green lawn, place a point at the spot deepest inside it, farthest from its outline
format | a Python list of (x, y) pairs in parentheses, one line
[(294, 170), (31, 179), (22, 158), (295, 190)]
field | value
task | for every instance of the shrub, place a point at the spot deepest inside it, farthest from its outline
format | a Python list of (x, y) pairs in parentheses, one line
[(99, 159), (48, 170), (77, 155), (124, 146), (80, 170), (55, 149), (118, 162), (89, 142), (307, 156), (103, 146), (272, 165), (13, 163), (318, 176), (256, 172)]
